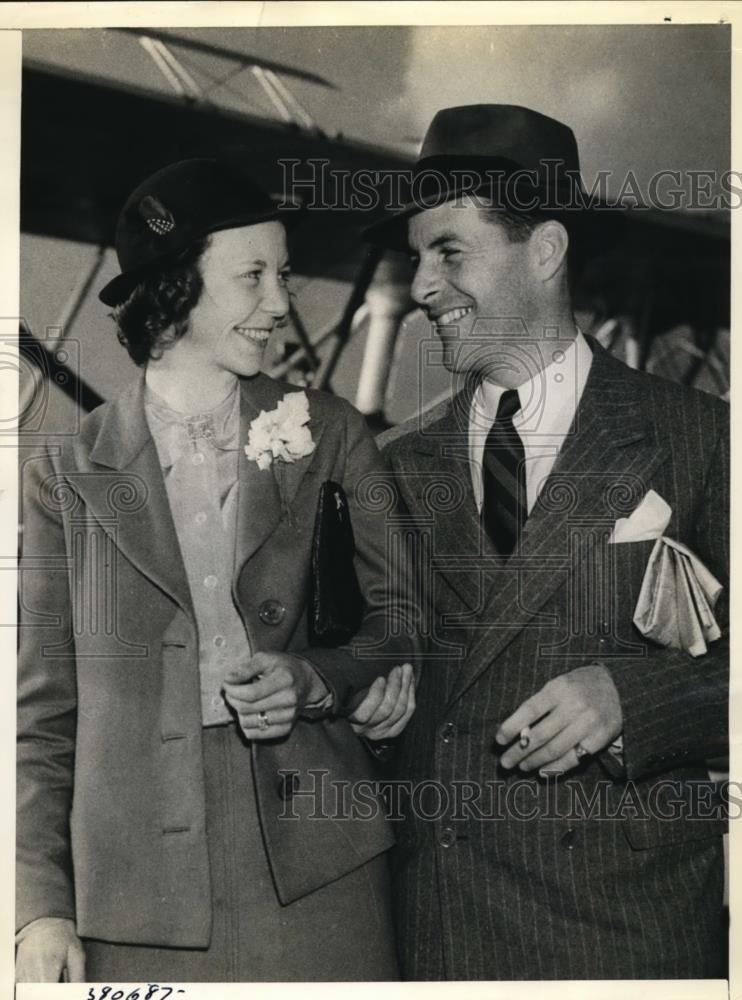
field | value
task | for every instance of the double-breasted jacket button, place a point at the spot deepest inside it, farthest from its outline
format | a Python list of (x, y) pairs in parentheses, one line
[(271, 612), (447, 837), (568, 840), (288, 786), (448, 731)]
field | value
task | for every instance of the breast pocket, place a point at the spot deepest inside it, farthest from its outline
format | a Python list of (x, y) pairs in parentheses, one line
[(595, 608), (625, 571)]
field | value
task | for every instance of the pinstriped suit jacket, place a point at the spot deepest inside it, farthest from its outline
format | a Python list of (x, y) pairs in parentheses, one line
[(501, 876)]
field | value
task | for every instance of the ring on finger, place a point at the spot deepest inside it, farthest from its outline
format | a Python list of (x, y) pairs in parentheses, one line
[(581, 751), (263, 722)]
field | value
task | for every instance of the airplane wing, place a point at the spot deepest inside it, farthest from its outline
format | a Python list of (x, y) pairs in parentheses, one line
[(87, 142)]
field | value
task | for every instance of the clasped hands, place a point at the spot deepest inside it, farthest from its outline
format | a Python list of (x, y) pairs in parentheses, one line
[(271, 691), (580, 709)]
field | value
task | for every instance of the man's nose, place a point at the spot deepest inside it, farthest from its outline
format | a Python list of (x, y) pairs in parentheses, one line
[(424, 285)]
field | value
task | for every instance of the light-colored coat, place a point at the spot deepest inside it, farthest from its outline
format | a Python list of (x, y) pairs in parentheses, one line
[(111, 814)]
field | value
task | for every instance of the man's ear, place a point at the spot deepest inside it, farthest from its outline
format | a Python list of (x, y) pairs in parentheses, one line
[(549, 241)]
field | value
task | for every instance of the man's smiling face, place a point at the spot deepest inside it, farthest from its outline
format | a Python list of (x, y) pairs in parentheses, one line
[(473, 283)]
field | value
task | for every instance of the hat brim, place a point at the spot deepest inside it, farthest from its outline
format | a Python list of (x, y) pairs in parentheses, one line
[(120, 288), (597, 221)]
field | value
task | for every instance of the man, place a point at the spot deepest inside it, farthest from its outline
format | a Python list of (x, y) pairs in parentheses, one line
[(179, 734), (554, 830)]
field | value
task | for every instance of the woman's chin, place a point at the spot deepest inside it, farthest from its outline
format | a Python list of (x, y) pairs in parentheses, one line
[(248, 363)]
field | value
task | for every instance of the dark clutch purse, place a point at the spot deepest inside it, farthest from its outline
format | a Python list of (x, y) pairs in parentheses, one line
[(336, 605)]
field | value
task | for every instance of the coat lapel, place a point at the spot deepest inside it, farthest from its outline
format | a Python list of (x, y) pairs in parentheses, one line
[(265, 495), (601, 473), (133, 505), (437, 476)]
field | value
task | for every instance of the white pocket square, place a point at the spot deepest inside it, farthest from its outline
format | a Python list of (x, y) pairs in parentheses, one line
[(648, 521), (678, 593)]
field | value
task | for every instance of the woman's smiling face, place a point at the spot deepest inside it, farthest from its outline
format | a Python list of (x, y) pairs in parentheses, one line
[(245, 296)]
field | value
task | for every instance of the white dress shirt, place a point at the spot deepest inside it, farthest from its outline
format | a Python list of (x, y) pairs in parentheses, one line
[(548, 403)]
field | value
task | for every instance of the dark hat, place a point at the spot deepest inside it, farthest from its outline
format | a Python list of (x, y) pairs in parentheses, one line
[(520, 159), (177, 206)]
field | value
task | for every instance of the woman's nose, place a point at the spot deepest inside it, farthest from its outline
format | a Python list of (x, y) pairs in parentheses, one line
[(276, 300)]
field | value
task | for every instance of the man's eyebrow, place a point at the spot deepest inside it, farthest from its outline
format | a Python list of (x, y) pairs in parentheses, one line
[(260, 263), (445, 238)]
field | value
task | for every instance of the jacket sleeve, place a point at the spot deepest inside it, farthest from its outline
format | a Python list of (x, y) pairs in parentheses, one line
[(675, 706), (46, 700), (388, 632)]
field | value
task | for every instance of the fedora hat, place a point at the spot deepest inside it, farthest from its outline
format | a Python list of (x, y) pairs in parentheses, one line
[(177, 206), (507, 156)]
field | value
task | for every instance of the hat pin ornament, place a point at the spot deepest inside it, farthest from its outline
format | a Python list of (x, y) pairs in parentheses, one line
[(157, 217)]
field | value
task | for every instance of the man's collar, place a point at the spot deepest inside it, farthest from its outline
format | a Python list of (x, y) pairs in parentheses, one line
[(553, 390)]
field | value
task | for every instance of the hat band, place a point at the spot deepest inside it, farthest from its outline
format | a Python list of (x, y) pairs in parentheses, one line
[(497, 181)]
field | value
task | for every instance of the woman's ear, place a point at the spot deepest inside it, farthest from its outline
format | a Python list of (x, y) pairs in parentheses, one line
[(549, 245)]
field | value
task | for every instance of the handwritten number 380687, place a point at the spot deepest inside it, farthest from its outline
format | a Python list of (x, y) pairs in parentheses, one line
[(153, 991)]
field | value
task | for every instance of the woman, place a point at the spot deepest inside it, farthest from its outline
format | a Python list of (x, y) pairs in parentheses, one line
[(183, 750)]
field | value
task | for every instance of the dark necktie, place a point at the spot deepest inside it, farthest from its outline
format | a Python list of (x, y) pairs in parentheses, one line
[(504, 508)]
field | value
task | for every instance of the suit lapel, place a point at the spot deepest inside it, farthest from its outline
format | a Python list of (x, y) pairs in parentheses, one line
[(133, 505), (437, 476), (264, 495), (601, 473)]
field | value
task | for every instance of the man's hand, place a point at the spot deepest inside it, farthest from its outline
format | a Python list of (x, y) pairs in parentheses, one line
[(49, 951), (388, 705), (269, 693), (580, 707)]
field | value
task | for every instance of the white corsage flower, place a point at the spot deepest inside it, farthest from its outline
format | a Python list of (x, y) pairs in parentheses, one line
[(281, 433)]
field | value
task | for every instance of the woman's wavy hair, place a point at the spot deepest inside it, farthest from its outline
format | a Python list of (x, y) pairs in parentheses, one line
[(156, 312)]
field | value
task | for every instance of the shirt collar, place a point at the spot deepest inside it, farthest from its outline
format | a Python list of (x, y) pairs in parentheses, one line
[(548, 399), (219, 426)]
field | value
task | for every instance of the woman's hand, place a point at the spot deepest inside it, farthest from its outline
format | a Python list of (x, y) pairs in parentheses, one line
[(49, 951), (388, 705), (269, 693)]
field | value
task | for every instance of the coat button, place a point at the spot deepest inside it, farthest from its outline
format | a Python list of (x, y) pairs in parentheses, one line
[(568, 840), (271, 612), (448, 731), (447, 837), (288, 786)]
